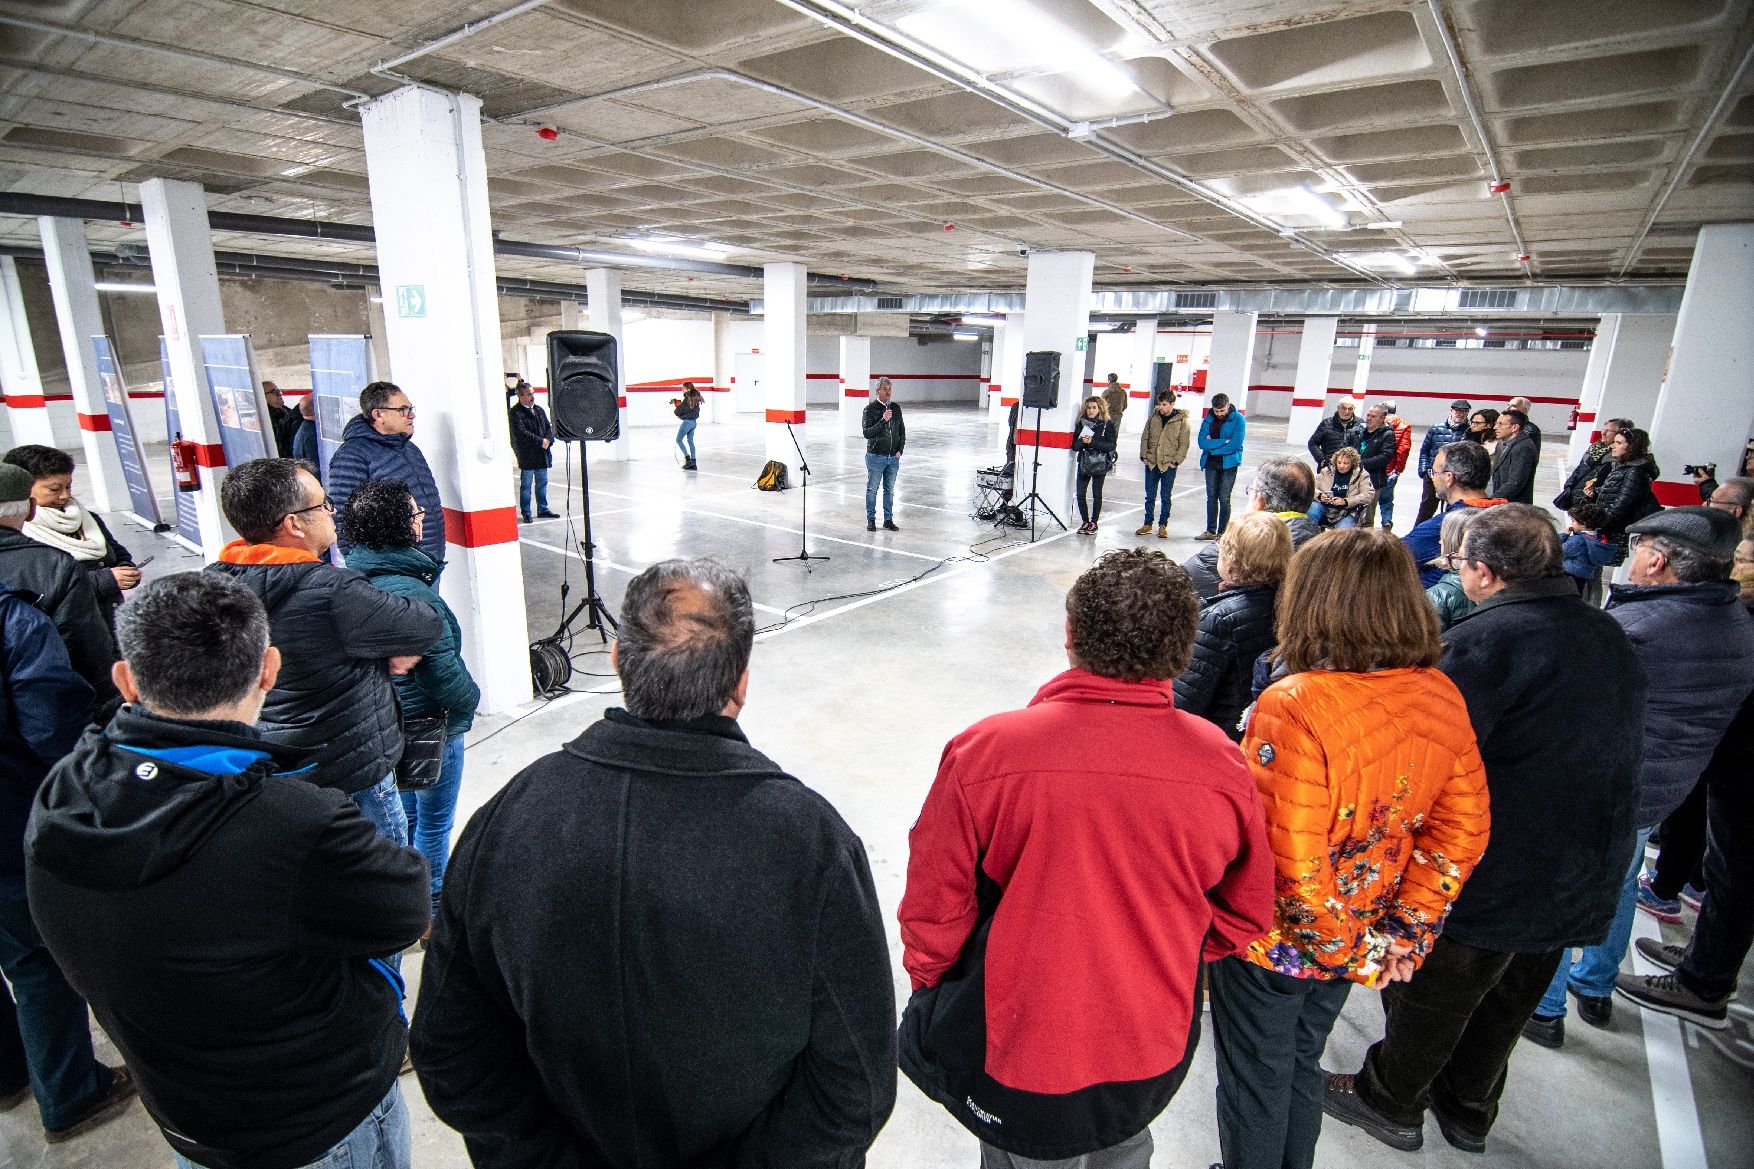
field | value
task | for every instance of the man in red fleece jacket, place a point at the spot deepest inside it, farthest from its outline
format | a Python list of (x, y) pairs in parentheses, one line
[(1074, 863)]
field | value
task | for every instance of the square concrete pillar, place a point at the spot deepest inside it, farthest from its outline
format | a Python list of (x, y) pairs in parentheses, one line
[(782, 351), (855, 384)]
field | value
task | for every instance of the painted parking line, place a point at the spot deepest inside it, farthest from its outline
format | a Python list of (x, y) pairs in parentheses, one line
[(1679, 1139), (600, 562), (797, 532)]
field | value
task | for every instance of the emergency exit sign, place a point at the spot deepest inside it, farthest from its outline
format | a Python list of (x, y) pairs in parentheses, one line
[(1082, 342), (411, 300)]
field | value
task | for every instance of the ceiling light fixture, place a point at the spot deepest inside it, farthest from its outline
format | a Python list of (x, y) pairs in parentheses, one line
[(292, 172), (1384, 225), (668, 246), (1479, 330), (998, 35), (965, 335), (109, 286)]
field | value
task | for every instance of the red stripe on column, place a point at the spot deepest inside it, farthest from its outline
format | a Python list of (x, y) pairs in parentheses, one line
[(1309, 401), (795, 417), (1061, 439), (1676, 492), (477, 529), (1004, 401), (855, 393), (1583, 417), (26, 401), (94, 422), (622, 401), (209, 454)]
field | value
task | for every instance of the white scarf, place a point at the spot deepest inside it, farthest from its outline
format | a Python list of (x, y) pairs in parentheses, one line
[(73, 530)]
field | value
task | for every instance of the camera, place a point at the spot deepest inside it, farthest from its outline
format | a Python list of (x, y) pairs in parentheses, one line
[(1709, 470)]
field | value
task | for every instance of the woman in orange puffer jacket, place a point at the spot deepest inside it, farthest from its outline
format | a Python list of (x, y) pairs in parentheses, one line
[(1376, 811)]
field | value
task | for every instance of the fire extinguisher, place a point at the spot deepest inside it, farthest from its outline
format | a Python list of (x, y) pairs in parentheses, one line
[(183, 464), (1571, 423)]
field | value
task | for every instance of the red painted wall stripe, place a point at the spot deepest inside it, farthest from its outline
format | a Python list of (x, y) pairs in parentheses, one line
[(477, 529), (1676, 492), (94, 422), (666, 384), (27, 401), (1373, 392), (1309, 401), (209, 455), (1060, 439), (795, 417), (858, 393)]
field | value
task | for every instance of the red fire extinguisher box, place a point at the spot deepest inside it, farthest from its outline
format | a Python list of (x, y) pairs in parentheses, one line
[(1199, 382)]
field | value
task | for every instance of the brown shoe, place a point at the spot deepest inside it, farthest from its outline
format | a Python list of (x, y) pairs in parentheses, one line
[(111, 1105), (1142, 530), (13, 1100), (1163, 531)]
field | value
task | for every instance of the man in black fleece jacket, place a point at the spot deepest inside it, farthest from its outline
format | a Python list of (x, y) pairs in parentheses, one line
[(226, 920), (656, 948)]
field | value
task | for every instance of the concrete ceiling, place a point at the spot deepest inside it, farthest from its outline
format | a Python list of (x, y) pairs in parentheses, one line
[(1622, 126)]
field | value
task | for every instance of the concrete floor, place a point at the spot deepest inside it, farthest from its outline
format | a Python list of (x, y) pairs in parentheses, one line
[(978, 633)]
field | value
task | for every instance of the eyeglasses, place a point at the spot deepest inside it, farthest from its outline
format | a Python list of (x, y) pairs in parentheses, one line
[(326, 504), (406, 411), (417, 512), (1453, 561)]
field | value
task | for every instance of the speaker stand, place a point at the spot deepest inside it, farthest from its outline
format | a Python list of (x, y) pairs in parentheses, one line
[(1033, 501), (592, 602), (804, 555)]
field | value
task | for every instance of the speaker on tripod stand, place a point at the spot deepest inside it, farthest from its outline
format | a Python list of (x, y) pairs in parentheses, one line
[(1041, 391), (584, 401)]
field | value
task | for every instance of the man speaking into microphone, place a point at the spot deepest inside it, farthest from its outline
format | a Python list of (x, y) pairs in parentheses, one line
[(885, 435)]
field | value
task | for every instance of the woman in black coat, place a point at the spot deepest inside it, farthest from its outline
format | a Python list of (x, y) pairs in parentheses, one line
[(1236, 625), (1093, 445), (1625, 492)]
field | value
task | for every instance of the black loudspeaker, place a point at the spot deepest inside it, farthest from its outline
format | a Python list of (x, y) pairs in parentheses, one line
[(1041, 380), (1160, 380), (584, 385)]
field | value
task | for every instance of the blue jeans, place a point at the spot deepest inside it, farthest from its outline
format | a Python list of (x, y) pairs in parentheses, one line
[(1593, 972), (383, 1140), (538, 479), (685, 437), (45, 1039), (1158, 485), (381, 806), (880, 469), (1219, 481), (1385, 499), (1319, 511), (431, 812)]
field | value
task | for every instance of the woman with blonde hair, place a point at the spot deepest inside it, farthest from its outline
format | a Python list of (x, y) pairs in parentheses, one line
[(1376, 810), (1093, 444), (1236, 624), (1343, 491)]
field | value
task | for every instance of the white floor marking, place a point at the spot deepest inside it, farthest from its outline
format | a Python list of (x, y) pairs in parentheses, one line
[(1679, 1139), (600, 562), (818, 536)]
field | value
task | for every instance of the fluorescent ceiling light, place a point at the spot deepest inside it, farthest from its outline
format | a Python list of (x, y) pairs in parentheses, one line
[(375, 299), (981, 319), (107, 286), (1479, 331), (966, 335), (994, 36), (1384, 225), (665, 246), (292, 172), (1297, 204)]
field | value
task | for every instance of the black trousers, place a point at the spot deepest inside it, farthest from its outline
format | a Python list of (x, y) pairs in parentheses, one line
[(1449, 1034), (1725, 930), (1427, 500), (1091, 486), (1681, 859), (1269, 1030)]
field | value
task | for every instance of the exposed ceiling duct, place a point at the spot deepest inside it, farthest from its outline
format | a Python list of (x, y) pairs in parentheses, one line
[(33, 205)]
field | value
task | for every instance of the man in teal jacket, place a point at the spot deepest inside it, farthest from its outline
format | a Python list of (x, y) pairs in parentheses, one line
[(1220, 439)]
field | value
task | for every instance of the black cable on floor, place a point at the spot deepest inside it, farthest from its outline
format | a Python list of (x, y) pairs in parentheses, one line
[(975, 555)]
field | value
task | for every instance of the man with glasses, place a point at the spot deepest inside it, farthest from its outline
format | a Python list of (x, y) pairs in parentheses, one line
[(1458, 474), (1734, 496), (340, 638), (378, 443), (1556, 696)]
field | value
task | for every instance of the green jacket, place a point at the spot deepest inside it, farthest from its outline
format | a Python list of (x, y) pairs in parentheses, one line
[(1452, 603), (440, 684)]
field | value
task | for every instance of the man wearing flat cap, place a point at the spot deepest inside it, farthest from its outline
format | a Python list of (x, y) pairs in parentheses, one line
[(1695, 640)]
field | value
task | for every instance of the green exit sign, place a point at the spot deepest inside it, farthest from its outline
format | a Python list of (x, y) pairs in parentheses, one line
[(1081, 344), (411, 300)]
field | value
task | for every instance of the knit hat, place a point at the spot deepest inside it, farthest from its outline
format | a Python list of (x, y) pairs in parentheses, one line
[(15, 483), (1709, 531)]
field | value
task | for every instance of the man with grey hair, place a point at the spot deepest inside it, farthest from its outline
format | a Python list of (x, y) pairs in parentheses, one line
[(1556, 697), (1734, 496), (1284, 486), (654, 945), (1527, 409)]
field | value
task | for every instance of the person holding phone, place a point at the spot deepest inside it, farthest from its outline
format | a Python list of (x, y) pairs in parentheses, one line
[(1093, 441)]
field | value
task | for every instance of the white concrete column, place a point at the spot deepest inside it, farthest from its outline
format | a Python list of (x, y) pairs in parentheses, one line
[(1361, 370), (1010, 373), (855, 384), (26, 409), (1624, 375), (1309, 389), (603, 297), (995, 383), (782, 351), (1143, 370), (718, 400), (1057, 318), (72, 285), (181, 247), (435, 251), (1233, 357), (1705, 411)]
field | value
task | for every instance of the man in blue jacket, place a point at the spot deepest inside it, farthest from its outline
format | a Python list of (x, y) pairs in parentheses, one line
[(1455, 429), (45, 1041), (1220, 438), (379, 444)]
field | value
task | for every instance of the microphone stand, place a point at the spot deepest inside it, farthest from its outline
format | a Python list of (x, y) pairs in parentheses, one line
[(804, 555)]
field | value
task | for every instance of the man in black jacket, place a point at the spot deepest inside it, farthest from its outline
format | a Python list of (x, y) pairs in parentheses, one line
[(532, 436), (63, 588), (1283, 486), (655, 947), (1333, 432), (1376, 446), (1515, 461), (340, 637), (225, 921), (885, 436), (1557, 699)]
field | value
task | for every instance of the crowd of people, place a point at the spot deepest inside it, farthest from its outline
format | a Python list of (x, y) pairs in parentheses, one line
[(1332, 758)]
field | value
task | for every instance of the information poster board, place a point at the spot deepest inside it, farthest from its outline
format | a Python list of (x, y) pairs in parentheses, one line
[(341, 366), (109, 375), (188, 519), (237, 397)]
